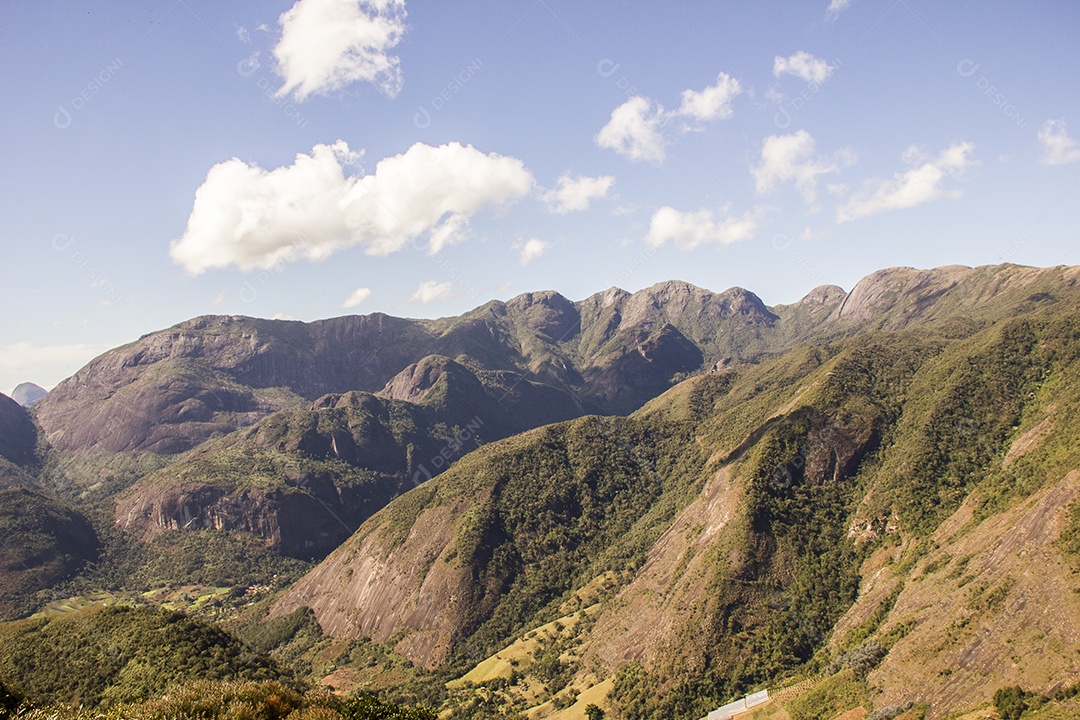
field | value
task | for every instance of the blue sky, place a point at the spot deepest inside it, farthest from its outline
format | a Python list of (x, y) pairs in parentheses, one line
[(164, 160)]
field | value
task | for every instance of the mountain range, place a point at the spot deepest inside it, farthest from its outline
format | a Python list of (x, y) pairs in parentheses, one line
[(653, 502)]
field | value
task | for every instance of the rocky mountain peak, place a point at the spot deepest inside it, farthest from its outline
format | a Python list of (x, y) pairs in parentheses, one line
[(823, 295), (415, 382), (884, 290), (546, 313)]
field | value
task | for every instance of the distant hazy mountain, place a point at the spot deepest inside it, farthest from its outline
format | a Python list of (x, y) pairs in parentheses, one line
[(27, 393)]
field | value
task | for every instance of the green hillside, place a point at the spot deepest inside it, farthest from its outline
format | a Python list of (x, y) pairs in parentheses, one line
[(742, 514)]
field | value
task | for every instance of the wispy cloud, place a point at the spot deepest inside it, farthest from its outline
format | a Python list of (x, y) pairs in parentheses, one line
[(575, 193), (636, 128), (803, 65), (923, 182), (835, 8), (530, 250), (792, 158), (688, 230), (1057, 147), (357, 297), (712, 103), (432, 291)]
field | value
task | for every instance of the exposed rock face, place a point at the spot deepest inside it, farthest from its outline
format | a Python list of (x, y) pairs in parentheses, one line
[(822, 299), (27, 393), (896, 297), (306, 501), (644, 368), (412, 587), (304, 521), (174, 389)]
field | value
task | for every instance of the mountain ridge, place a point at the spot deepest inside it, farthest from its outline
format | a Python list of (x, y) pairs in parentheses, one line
[(173, 389), (759, 503)]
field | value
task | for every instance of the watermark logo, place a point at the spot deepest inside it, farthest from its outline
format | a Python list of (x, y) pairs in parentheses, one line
[(442, 459), (422, 117), (782, 242), (248, 292), (99, 281), (248, 68), (967, 68), (63, 118), (783, 117), (607, 68)]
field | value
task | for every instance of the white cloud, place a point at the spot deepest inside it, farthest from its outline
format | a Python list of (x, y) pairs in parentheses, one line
[(791, 157), (328, 44), (920, 184), (835, 8), (688, 230), (358, 296), (803, 65), (432, 291), (712, 103), (242, 34), (634, 130), (530, 250), (449, 232), (250, 217), (575, 194), (45, 365), (1057, 147)]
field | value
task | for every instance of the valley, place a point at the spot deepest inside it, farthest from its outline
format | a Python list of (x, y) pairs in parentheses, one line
[(635, 506)]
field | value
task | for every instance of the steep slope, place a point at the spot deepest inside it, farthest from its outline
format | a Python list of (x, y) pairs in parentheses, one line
[(304, 480), (171, 390), (955, 300), (18, 436), (448, 561), (43, 542), (874, 502)]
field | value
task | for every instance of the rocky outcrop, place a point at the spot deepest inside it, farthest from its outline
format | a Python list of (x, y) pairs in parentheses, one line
[(304, 479), (304, 520), (411, 589), (895, 298)]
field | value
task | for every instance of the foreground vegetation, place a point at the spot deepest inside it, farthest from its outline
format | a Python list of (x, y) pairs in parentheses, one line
[(236, 700)]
